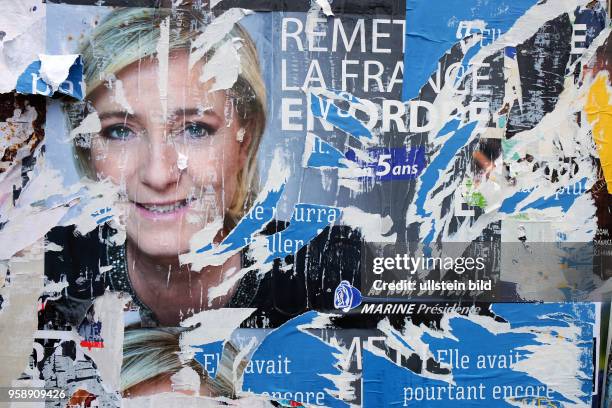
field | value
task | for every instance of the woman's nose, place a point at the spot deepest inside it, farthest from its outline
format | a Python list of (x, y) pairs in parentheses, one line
[(158, 165)]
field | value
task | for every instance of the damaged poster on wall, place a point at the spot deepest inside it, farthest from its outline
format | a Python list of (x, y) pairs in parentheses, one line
[(307, 203)]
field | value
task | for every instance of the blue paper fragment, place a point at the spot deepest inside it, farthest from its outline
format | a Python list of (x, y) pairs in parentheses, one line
[(432, 172), (254, 221), (395, 163), (307, 221), (30, 82), (324, 155), (426, 43), (209, 356), (301, 360), (324, 108)]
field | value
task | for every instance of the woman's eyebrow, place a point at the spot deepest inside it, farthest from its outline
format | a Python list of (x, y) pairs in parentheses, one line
[(123, 115), (186, 112)]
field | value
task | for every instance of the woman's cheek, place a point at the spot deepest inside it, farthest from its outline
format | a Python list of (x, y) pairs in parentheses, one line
[(118, 163), (204, 171)]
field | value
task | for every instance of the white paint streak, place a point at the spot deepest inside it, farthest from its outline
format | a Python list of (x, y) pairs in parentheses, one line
[(163, 49)]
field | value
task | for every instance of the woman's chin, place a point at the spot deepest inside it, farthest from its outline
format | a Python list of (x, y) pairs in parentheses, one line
[(161, 252), (158, 244), (169, 239)]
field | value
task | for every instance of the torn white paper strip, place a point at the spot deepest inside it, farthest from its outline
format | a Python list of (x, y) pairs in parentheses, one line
[(91, 124), (109, 311), (224, 66), (324, 4), (54, 69), (215, 32), (16, 54), (18, 314), (18, 15), (213, 325), (163, 49), (27, 226), (186, 379), (120, 97)]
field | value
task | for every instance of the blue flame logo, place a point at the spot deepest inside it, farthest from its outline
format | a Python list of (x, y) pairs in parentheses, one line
[(346, 297)]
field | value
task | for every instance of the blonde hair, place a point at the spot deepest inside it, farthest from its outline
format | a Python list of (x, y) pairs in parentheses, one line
[(128, 35), (153, 353)]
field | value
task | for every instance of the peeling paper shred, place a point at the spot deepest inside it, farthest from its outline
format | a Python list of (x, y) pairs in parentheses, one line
[(210, 326), (214, 33), (599, 114), (120, 97), (109, 358), (539, 332), (171, 400), (54, 69), (26, 223), (182, 161), (322, 155), (322, 374), (321, 102), (204, 253), (16, 15), (186, 379), (19, 312), (90, 124), (230, 279), (433, 225), (24, 25), (163, 47), (223, 67), (373, 227), (324, 4)]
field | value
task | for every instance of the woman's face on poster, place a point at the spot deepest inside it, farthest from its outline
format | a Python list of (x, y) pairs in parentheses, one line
[(172, 146)]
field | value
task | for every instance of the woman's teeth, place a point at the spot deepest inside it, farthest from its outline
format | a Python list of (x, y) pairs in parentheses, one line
[(166, 208)]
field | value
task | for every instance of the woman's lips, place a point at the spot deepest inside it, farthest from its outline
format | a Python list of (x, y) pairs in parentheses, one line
[(162, 211)]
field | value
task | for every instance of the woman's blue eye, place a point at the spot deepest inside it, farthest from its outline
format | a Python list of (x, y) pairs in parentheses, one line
[(118, 132), (197, 130)]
